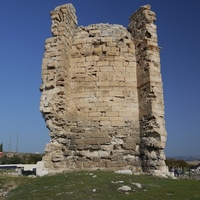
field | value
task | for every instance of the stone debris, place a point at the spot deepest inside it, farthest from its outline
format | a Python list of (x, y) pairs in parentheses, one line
[(124, 188), (117, 181), (137, 173), (3, 192), (94, 190), (32, 176), (162, 175), (138, 185), (128, 172), (69, 192), (102, 96)]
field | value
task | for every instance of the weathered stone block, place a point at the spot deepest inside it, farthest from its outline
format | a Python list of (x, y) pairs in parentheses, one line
[(117, 123), (90, 165), (95, 141), (100, 135), (130, 143), (110, 164)]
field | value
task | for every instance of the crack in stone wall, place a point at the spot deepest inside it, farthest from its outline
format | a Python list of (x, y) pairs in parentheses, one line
[(102, 96)]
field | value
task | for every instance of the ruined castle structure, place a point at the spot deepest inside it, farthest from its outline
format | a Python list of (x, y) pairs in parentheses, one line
[(102, 96)]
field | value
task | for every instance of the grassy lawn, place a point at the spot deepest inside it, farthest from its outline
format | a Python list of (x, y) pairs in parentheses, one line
[(98, 185)]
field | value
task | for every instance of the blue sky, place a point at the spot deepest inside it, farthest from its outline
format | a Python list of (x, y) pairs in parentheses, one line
[(25, 24)]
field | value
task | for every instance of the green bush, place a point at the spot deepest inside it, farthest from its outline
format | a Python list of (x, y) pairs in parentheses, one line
[(1, 147), (33, 158), (20, 159), (176, 163), (15, 159)]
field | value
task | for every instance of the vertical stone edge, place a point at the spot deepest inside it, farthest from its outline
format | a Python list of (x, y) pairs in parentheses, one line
[(56, 80), (150, 91)]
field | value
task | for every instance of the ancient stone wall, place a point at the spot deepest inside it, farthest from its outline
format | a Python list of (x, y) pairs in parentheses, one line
[(150, 92), (102, 96)]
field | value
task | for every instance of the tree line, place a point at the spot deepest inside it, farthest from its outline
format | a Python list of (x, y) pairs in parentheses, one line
[(20, 159), (1, 147)]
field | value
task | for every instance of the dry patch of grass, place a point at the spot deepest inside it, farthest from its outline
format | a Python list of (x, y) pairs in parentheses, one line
[(8, 182)]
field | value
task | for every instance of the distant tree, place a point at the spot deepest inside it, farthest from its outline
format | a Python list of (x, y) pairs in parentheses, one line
[(176, 163), (10, 160), (4, 160), (33, 158), (21, 159), (1, 147), (16, 160)]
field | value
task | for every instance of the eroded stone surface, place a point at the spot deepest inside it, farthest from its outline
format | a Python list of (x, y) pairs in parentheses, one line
[(102, 96)]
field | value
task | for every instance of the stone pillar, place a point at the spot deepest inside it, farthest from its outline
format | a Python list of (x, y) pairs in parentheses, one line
[(56, 89), (150, 92)]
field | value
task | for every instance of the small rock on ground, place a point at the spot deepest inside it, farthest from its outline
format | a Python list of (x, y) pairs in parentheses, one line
[(125, 188), (138, 185), (126, 171)]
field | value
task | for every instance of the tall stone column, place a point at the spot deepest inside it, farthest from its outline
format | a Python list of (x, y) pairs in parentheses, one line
[(56, 74), (150, 92)]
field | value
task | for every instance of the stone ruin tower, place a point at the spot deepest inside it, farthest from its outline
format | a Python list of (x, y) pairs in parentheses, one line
[(102, 96)]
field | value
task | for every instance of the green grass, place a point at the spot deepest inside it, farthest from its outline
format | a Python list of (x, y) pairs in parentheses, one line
[(79, 186)]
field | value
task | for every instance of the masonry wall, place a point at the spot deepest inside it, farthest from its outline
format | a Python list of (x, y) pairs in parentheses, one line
[(150, 91), (102, 96)]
